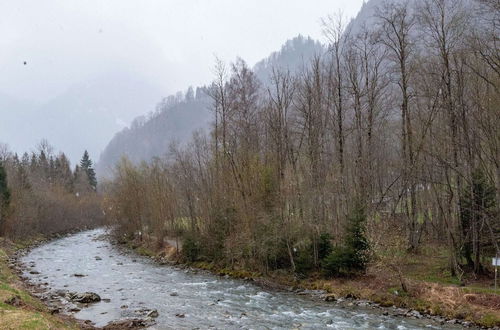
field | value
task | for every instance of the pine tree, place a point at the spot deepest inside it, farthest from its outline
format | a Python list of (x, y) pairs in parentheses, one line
[(353, 255), (86, 166), (476, 204), (4, 192)]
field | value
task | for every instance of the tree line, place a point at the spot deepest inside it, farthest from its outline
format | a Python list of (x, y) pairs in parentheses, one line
[(41, 194), (393, 132)]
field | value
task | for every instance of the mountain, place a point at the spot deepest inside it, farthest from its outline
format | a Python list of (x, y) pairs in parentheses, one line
[(152, 136), (177, 117), (292, 56), (85, 116)]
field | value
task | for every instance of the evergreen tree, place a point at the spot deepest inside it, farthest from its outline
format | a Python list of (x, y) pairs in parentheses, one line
[(476, 204), (63, 173), (353, 255), (4, 192), (86, 165)]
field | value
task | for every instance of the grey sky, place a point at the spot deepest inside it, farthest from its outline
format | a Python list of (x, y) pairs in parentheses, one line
[(171, 43)]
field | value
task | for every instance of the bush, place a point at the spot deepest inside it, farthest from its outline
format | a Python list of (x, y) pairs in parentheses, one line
[(325, 246), (304, 258), (190, 248), (352, 257), (339, 262), (304, 261)]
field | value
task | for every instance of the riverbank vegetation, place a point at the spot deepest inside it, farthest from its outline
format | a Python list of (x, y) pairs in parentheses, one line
[(379, 154), (40, 195), (18, 309)]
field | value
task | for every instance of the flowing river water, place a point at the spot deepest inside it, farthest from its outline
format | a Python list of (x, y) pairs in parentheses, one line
[(129, 285)]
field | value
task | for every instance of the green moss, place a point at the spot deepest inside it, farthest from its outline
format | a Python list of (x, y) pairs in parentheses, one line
[(145, 252), (489, 320), (384, 300), (237, 273)]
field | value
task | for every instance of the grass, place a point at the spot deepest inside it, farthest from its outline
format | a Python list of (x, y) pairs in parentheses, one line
[(489, 320), (475, 289), (434, 290), (32, 314)]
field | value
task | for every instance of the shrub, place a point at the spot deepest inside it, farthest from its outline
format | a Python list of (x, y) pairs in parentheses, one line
[(304, 261), (338, 262), (352, 257), (190, 248), (324, 246)]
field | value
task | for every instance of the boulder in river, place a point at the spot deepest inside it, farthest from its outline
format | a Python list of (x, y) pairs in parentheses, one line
[(84, 298), (415, 314), (330, 297), (153, 314)]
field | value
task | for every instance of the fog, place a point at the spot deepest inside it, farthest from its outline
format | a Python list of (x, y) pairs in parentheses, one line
[(58, 50)]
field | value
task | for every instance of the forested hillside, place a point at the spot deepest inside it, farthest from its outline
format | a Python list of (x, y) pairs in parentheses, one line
[(386, 144), (177, 117), (174, 121)]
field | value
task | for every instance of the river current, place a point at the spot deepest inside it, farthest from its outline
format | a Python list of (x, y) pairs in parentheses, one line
[(129, 285)]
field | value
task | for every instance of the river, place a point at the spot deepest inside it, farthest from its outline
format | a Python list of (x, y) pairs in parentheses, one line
[(130, 284)]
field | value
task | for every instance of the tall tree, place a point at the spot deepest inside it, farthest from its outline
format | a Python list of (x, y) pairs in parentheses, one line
[(4, 192), (86, 165)]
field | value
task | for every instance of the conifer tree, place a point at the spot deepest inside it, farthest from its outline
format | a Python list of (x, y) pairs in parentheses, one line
[(353, 255), (86, 165), (476, 205), (4, 192)]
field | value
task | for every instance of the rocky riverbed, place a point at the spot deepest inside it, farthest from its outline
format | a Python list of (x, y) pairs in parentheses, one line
[(86, 276)]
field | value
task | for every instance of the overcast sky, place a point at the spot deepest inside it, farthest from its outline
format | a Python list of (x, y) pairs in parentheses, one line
[(169, 42)]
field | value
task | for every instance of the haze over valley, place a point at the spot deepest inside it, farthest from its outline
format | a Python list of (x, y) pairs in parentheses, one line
[(235, 164), (109, 62)]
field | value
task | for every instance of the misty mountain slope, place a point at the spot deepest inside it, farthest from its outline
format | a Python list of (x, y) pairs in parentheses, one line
[(366, 15), (292, 56), (86, 116), (177, 122), (174, 121), (142, 143)]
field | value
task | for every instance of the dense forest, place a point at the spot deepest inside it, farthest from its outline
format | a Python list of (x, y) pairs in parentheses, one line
[(41, 195), (390, 139)]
